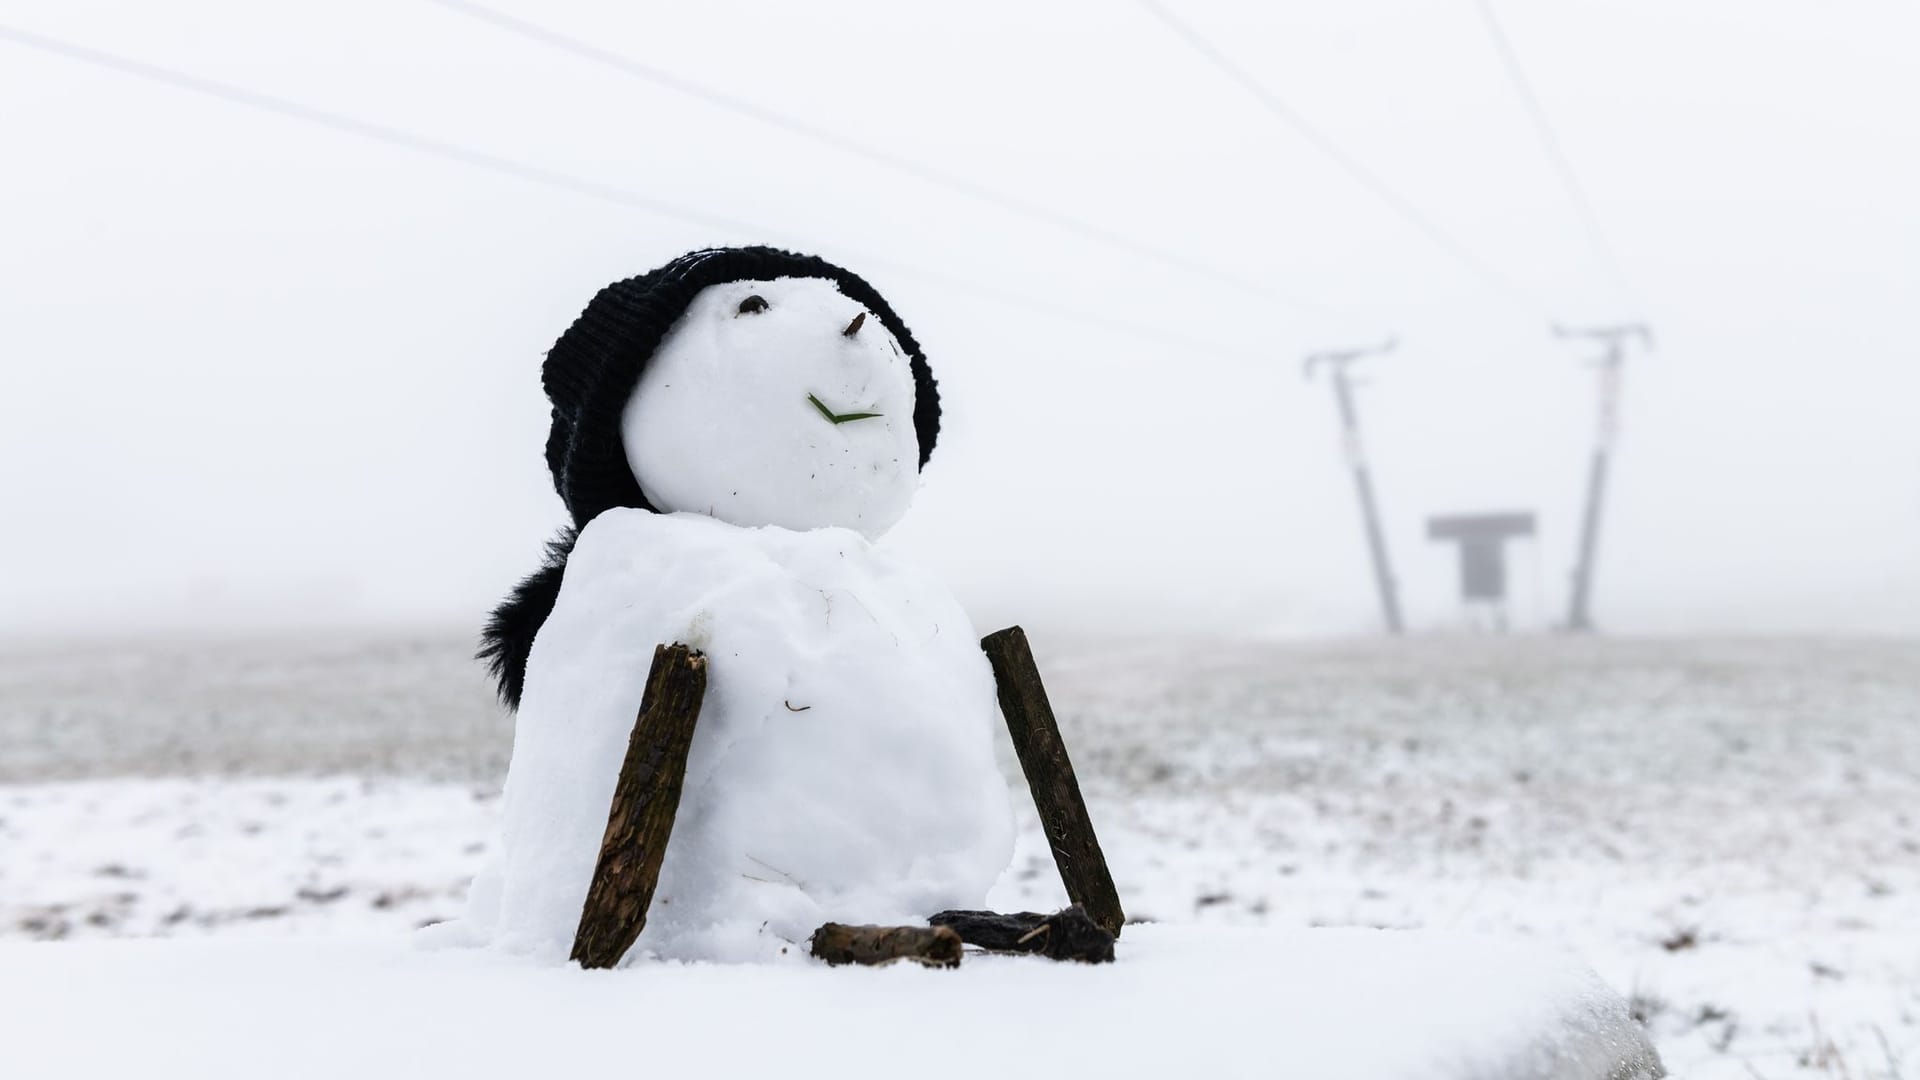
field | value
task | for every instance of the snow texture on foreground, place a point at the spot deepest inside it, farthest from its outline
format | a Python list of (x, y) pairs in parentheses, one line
[(843, 765), (1181, 1001), (1725, 830)]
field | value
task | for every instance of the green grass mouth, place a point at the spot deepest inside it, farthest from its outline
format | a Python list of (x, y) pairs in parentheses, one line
[(839, 418)]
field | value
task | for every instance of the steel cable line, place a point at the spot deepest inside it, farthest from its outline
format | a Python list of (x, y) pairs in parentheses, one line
[(1557, 157), (827, 136), (536, 174), (1332, 150)]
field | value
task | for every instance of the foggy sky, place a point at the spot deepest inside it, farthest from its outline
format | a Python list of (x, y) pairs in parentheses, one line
[(256, 373)]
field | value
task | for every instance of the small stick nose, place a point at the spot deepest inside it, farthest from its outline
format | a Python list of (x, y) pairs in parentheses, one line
[(854, 326)]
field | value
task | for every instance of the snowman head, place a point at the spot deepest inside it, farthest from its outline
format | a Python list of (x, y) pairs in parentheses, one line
[(757, 386), (781, 402)]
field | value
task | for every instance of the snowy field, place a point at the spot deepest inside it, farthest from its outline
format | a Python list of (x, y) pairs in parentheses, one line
[(1728, 831)]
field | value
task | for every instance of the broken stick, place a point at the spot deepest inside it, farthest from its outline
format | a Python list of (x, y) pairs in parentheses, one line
[(644, 801), (1064, 935), (1056, 793), (934, 946)]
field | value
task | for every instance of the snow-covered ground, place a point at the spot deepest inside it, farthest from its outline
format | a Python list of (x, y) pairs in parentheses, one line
[(1729, 831), (1201, 1001)]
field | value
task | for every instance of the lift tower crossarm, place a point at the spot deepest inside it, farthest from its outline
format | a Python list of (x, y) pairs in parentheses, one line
[(1613, 342), (1339, 361)]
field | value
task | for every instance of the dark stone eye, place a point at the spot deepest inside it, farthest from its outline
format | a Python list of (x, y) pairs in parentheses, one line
[(752, 305)]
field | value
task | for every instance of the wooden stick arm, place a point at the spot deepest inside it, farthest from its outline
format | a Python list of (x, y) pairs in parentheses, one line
[(645, 799), (1056, 792)]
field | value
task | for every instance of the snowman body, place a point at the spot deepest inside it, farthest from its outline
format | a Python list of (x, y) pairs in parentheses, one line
[(842, 767)]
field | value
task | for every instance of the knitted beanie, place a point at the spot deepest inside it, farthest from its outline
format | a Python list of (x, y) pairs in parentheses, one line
[(592, 370)]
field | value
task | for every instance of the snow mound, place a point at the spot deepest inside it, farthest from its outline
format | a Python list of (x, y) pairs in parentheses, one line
[(842, 768), (1179, 1001)]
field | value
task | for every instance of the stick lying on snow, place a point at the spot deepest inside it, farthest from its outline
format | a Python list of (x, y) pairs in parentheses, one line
[(1063, 935), (1056, 793), (644, 802), (934, 946)]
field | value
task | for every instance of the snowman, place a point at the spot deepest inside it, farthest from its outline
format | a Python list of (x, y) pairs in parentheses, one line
[(731, 433)]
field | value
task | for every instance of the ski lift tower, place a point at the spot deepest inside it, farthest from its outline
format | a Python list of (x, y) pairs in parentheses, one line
[(1339, 360), (1613, 341)]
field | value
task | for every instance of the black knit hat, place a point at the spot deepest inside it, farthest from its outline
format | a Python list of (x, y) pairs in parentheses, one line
[(589, 375), (592, 370)]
